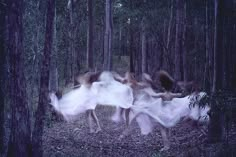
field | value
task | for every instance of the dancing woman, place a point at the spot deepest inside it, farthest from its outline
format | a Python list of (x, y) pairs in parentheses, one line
[(96, 89), (167, 83), (78, 100), (166, 108)]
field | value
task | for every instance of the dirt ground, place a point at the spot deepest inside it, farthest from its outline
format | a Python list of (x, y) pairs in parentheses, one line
[(64, 139)]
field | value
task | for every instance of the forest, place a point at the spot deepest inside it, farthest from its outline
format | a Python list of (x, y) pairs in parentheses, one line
[(45, 46)]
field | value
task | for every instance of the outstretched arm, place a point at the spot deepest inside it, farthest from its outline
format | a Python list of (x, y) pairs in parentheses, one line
[(177, 95), (154, 94)]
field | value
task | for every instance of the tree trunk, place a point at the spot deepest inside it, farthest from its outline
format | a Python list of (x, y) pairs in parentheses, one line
[(207, 75), (229, 21), (170, 25), (196, 41), (120, 53), (218, 47), (19, 142), (178, 38), (2, 72), (216, 128), (108, 36), (131, 51), (138, 55), (40, 16), (185, 66), (90, 43), (130, 43), (144, 45), (102, 44), (71, 59), (169, 32), (53, 76), (44, 83)]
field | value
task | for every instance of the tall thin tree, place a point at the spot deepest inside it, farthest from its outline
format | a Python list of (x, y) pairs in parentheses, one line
[(144, 45), (131, 41), (53, 81), (44, 83), (178, 38), (170, 25), (207, 76), (184, 43), (108, 36), (216, 127), (218, 46), (90, 42), (2, 72)]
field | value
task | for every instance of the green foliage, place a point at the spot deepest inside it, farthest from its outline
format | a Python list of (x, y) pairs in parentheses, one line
[(200, 100)]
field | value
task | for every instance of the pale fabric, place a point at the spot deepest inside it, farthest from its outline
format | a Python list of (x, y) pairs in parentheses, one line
[(144, 123), (111, 92), (106, 91), (167, 113), (116, 117), (74, 102)]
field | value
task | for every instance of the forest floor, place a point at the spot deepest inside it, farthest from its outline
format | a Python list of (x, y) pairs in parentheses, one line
[(63, 139)]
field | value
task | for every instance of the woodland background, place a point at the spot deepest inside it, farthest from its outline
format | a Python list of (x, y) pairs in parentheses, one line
[(45, 44)]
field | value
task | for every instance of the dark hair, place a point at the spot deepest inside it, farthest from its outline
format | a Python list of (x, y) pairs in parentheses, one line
[(166, 80), (94, 77)]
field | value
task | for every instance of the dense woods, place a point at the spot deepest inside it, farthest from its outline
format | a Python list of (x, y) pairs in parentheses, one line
[(44, 45)]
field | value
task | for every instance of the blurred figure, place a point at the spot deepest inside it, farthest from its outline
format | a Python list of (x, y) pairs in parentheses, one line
[(167, 83), (95, 89)]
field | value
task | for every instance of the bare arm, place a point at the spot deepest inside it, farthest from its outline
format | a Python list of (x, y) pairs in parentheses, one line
[(154, 94), (177, 95)]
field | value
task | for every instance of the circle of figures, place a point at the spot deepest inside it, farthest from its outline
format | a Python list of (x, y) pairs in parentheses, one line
[(135, 100)]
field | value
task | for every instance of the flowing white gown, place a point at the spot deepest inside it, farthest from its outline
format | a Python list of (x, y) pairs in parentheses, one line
[(111, 92), (74, 102), (106, 91), (167, 113)]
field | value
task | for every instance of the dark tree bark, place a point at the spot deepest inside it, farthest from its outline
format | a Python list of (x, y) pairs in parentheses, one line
[(71, 59), (36, 61), (144, 45), (53, 76), (184, 44), (170, 25), (233, 55), (207, 76), (196, 39), (108, 36), (228, 28), (19, 143), (178, 38), (2, 72), (44, 83), (131, 42), (131, 51), (216, 127), (120, 52), (72, 42), (168, 51), (138, 55), (218, 46), (101, 43), (90, 43)]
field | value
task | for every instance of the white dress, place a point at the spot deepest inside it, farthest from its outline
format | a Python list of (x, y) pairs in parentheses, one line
[(166, 113), (75, 102), (107, 91)]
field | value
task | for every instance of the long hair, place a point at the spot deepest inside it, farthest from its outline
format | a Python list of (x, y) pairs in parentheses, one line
[(129, 77), (166, 80), (88, 77)]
